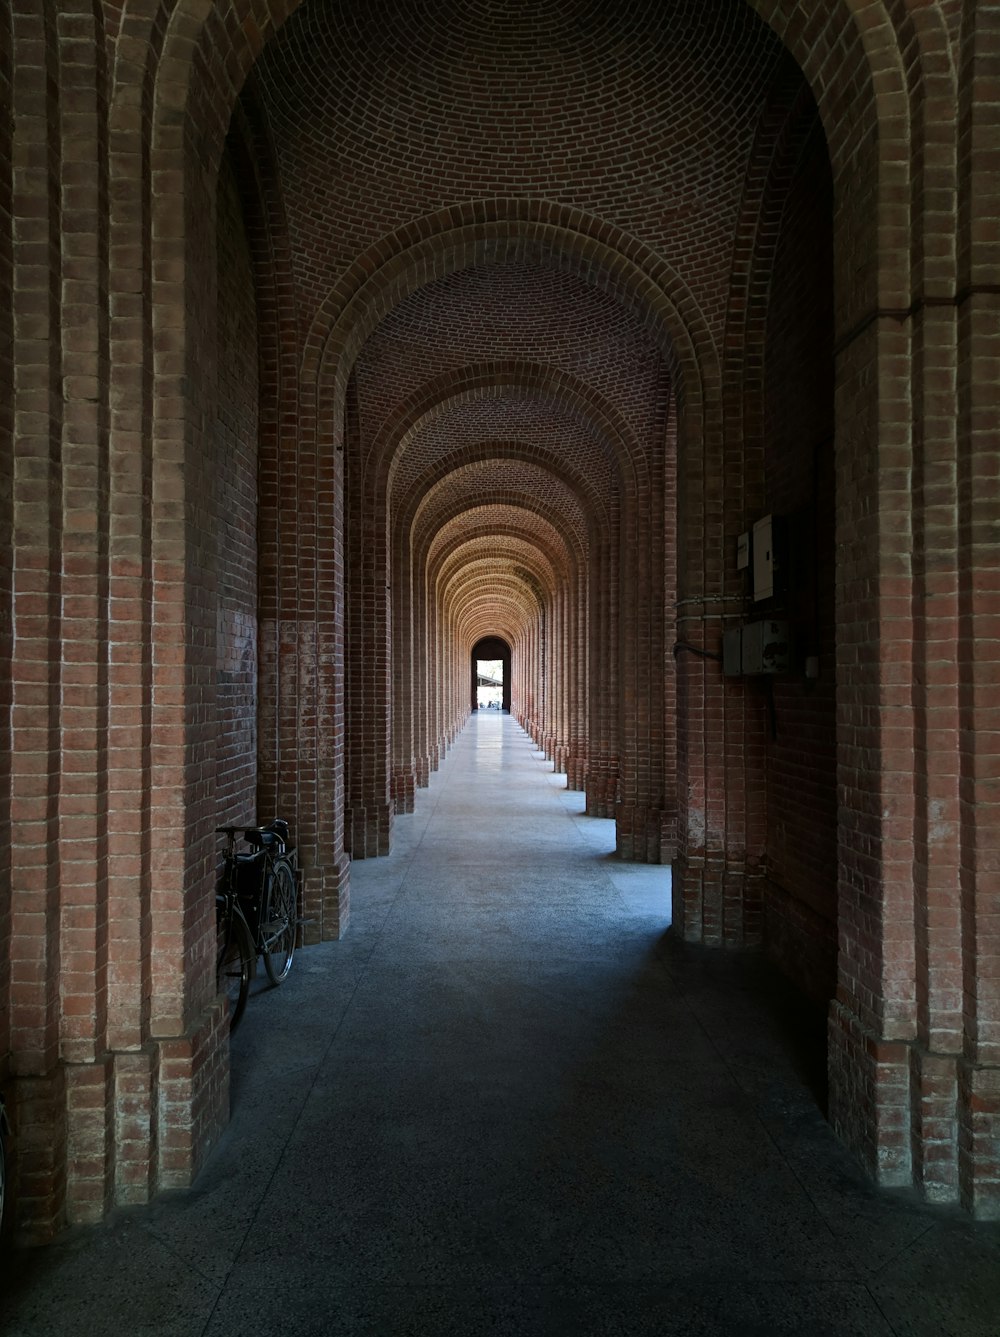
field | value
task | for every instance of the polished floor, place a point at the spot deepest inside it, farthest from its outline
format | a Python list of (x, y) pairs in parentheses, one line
[(510, 1103)]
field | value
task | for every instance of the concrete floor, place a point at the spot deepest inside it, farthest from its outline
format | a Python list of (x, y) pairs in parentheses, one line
[(508, 1102)]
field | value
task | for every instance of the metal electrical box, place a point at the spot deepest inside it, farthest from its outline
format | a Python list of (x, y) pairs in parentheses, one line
[(732, 652), (764, 647), (763, 559)]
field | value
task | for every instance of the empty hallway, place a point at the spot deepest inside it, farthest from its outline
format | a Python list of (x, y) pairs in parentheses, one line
[(510, 1102), (649, 350)]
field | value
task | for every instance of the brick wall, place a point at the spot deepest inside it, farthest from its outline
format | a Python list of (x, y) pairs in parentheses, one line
[(6, 518), (235, 462), (36, 672), (800, 909)]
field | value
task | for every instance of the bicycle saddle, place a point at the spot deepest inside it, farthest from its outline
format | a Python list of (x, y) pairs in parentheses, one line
[(262, 837)]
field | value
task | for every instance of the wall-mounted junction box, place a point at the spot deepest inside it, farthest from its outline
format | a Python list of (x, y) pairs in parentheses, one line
[(764, 647), (756, 649), (768, 557)]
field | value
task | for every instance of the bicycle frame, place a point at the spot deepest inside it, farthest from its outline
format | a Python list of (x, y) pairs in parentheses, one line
[(253, 874)]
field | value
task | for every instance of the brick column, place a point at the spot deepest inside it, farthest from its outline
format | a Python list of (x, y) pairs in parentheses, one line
[(369, 811), (602, 669), (35, 664), (576, 759), (873, 1018), (6, 527), (979, 611), (404, 691)]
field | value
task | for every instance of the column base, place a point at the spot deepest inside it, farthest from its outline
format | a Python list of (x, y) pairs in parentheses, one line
[(192, 1096), (979, 1139), (326, 901), (576, 771), (645, 835), (368, 831), (37, 1188), (716, 903), (602, 791), (403, 788), (870, 1097), (91, 1135), (933, 1126), (915, 1117), (137, 1079)]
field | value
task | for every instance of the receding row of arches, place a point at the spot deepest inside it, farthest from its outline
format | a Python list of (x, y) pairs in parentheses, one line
[(316, 372)]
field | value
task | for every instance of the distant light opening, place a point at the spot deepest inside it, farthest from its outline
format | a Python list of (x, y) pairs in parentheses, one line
[(489, 684)]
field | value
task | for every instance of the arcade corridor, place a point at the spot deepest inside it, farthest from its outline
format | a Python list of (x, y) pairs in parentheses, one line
[(654, 344), (510, 1102)]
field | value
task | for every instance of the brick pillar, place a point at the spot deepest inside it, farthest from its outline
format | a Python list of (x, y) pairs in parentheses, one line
[(6, 535), (187, 1024), (555, 677), (576, 757), (403, 784), (979, 728), (369, 809), (602, 668), (717, 873), (636, 587), (979, 612), (35, 671), (937, 1047), (873, 1018), (421, 680), (84, 715), (327, 864)]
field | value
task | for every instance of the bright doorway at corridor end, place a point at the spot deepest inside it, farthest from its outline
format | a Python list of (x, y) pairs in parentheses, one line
[(489, 684)]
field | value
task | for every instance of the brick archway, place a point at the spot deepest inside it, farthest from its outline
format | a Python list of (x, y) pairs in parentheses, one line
[(853, 95), (603, 520), (114, 412), (869, 83)]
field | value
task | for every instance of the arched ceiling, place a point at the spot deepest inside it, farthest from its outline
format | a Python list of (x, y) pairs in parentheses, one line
[(456, 438), (515, 399), (496, 482), (641, 114), (528, 312), (511, 552), (505, 554)]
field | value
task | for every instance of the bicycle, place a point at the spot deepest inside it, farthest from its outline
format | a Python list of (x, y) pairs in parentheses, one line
[(256, 907)]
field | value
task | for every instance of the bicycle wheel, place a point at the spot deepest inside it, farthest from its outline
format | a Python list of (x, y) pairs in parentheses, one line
[(234, 959), (279, 924)]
